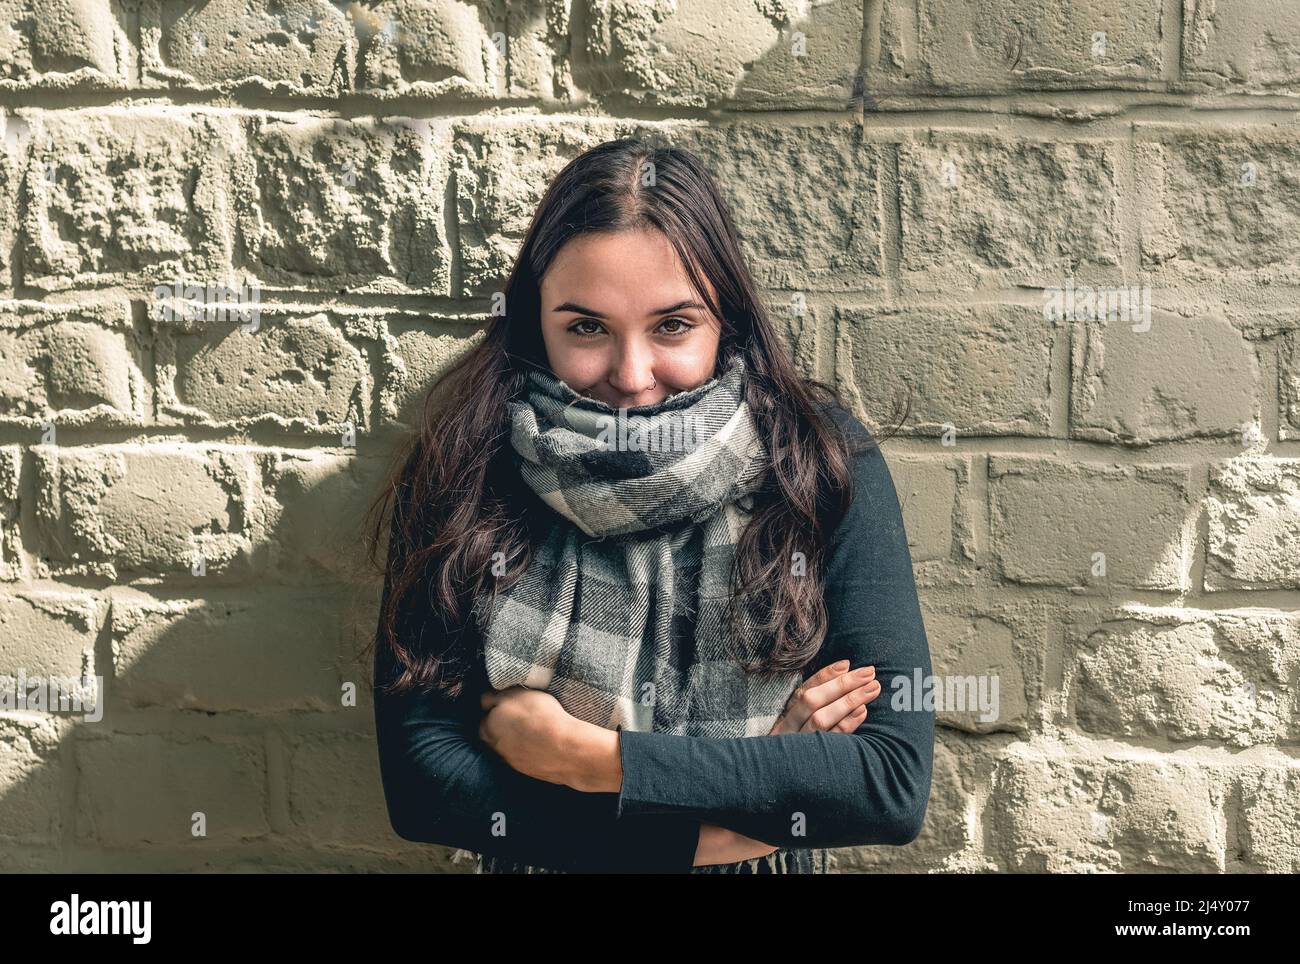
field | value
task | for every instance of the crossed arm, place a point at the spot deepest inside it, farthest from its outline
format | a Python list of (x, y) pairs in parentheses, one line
[(444, 785)]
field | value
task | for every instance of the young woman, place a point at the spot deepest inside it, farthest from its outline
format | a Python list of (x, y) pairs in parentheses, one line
[(643, 579)]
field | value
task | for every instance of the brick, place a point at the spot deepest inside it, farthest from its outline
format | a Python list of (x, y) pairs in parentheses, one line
[(335, 794), (1249, 46), (1181, 378), (1050, 814), (670, 54), (969, 652), (70, 364), (1253, 507), (996, 45), (31, 780), (290, 370), (927, 494), (1048, 517), (312, 148), (294, 47), (61, 44), (343, 205), (418, 351), (1187, 675), (1270, 803), (48, 633), (143, 509), (171, 779), (423, 48), (312, 508), (980, 209), (137, 197), (539, 59), (274, 651), (981, 369), (1218, 206)]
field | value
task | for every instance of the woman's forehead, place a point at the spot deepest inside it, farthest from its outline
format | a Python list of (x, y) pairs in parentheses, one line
[(619, 275)]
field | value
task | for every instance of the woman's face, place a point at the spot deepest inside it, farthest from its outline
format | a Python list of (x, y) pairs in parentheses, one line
[(619, 316)]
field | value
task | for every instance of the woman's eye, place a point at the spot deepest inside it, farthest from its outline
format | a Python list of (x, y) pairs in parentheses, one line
[(682, 326), (576, 328)]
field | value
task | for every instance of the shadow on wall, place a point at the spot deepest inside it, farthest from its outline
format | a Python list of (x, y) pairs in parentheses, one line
[(215, 579), (237, 598)]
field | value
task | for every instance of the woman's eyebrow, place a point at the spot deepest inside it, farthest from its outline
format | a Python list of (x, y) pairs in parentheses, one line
[(574, 306)]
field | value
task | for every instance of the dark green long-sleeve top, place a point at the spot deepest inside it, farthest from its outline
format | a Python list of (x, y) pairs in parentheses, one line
[(443, 785)]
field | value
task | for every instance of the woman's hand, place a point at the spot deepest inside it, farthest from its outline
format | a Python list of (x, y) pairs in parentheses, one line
[(831, 700), (530, 730), (718, 845)]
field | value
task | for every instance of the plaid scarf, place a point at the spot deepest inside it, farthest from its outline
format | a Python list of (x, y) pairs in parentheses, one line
[(621, 614)]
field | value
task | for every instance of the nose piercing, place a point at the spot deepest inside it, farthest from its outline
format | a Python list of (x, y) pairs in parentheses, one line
[(653, 381)]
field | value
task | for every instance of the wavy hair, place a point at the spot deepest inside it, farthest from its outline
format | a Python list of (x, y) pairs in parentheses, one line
[(455, 495)]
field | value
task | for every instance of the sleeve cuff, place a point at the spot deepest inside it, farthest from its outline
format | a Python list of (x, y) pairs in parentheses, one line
[(671, 839), (631, 763), (656, 773)]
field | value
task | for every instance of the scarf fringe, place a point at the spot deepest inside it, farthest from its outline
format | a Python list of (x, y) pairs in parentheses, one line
[(778, 862)]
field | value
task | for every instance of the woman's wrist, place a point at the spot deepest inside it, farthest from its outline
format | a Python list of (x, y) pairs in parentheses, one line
[(594, 765), (719, 845), (593, 757), (715, 846)]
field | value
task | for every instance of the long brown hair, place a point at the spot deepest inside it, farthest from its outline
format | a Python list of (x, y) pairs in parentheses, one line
[(457, 500)]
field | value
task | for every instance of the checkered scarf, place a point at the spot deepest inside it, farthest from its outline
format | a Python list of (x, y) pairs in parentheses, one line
[(621, 614)]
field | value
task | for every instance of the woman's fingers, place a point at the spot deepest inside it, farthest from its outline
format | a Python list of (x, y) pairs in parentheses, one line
[(838, 710), (825, 674), (810, 696), (842, 710), (824, 694), (852, 721), (831, 699)]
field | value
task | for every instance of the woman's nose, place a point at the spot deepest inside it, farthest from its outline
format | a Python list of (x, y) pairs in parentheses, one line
[(632, 376)]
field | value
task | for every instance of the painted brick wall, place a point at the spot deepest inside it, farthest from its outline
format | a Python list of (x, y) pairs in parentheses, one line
[(941, 197)]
